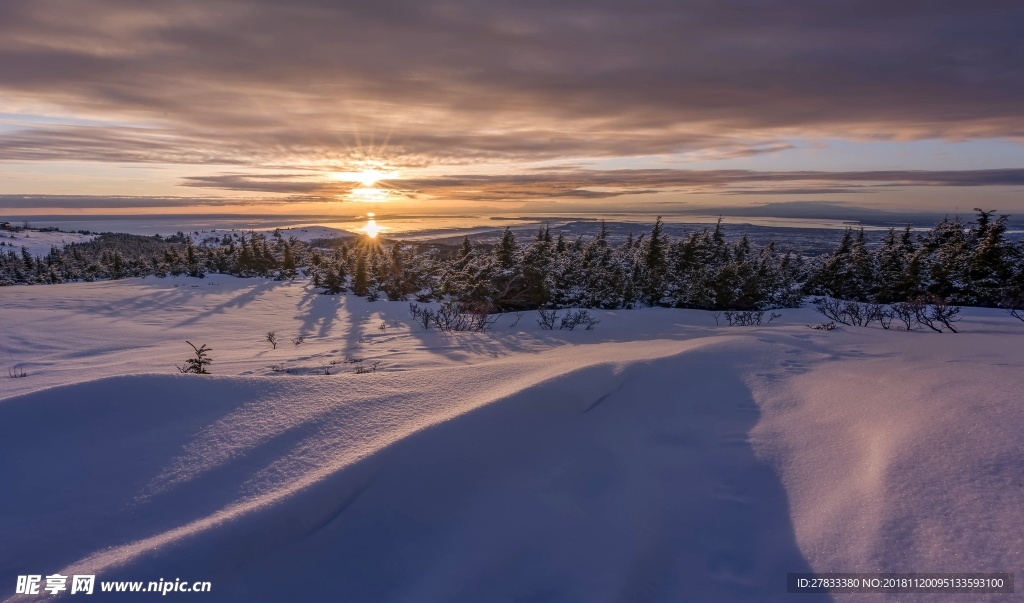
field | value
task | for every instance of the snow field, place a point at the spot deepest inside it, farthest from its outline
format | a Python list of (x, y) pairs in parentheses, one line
[(656, 458)]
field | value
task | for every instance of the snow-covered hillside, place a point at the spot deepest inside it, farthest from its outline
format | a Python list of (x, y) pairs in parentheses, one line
[(658, 457), (305, 234), (39, 242)]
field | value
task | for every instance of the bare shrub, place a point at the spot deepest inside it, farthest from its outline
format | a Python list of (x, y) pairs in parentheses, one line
[(930, 311), (875, 312), (481, 319), (920, 307), (832, 309), (16, 372), (548, 318), (852, 313), (940, 311), (297, 341), (1014, 306), (451, 316), (906, 313), (519, 316), (575, 318), (423, 316), (271, 338)]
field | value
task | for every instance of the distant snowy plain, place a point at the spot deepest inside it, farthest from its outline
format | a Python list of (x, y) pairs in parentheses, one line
[(658, 457), (38, 242)]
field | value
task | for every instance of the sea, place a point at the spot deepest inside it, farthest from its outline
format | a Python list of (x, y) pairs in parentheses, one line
[(807, 235)]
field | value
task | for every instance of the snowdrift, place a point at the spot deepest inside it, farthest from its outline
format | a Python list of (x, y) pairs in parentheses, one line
[(657, 458)]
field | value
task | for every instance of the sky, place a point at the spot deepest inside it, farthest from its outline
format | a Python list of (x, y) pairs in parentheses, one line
[(325, 106)]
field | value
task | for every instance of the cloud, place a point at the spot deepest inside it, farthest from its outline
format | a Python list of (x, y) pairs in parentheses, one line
[(602, 184), (115, 144), (318, 82), (834, 190), (105, 202), (292, 184)]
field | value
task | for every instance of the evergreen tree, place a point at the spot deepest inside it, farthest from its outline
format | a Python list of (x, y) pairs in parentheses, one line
[(361, 276), (654, 265), (990, 267)]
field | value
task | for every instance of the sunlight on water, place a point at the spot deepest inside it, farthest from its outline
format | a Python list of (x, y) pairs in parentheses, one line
[(371, 229)]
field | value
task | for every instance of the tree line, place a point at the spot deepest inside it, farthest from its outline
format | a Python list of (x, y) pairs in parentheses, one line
[(968, 264), (972, 263)]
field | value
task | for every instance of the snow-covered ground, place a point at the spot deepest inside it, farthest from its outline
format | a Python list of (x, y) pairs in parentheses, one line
[(38, 242), (312, 233), (301, 233), (658, 457)]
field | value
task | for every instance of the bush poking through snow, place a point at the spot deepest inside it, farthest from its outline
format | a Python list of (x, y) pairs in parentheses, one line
[(16, 372), (855, 314), (880, 313), (453, 316), (1014, 307), (929, 311), (297, 341), (548, 318), (825, 326), (198, 364), (905, 312), (575, 318), (837, 310), (271, 338), (423, 316), (364, 368), (940, 311), (480, 318), (449, 317), (747, 318)]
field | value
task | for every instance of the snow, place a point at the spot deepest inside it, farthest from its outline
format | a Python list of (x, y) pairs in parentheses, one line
[(38, 242), (658, 457), (305, 234), (312, 233)]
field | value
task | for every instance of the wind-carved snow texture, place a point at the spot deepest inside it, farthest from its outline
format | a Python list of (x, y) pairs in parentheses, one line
[(656, 458)]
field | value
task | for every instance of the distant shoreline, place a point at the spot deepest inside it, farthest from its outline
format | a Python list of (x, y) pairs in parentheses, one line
[(431, 226)]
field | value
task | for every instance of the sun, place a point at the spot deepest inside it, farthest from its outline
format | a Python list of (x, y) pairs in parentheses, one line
[(369, 177), (371, 230), (367, 183)]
